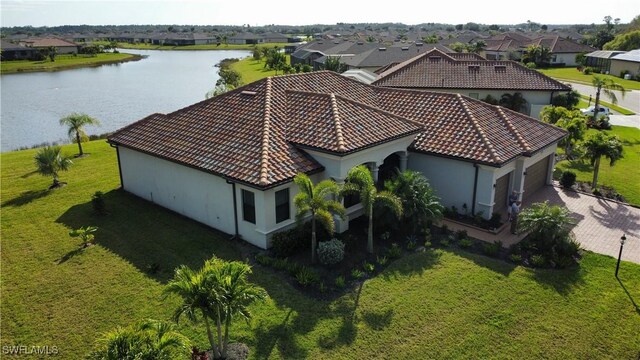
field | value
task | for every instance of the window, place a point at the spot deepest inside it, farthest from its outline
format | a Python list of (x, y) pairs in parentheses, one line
[(282, 205), (248, 206)]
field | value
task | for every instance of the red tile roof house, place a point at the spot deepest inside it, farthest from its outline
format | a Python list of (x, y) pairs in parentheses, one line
[(229, 161), (63, 46), (473, 77)]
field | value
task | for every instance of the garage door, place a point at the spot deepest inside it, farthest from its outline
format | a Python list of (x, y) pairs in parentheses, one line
[(502, 192), (536, 177)]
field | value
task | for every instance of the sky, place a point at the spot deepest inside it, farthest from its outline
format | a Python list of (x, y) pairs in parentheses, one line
[(290, 12)]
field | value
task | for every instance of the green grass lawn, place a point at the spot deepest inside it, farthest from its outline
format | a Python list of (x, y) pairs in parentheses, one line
[(252, 70), (572, 74), (624, 176), (64, 62), (439, 304)]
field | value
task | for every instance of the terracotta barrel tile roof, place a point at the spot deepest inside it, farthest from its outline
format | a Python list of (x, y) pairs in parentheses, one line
[(257, 134)]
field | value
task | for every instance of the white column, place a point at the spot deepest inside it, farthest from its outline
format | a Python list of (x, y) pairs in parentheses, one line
[(341, 225), (518, 180), (374, 172), (404, 156)]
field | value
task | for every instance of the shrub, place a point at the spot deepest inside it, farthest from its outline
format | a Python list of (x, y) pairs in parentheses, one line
[(98, 204), (368, 267), (478, 218), (357, 273), (587, 70), (293, 268), (538, 260), (568, 179), (516, 258), (307, 276), (461, 234), (280, 263), (264, 260), (466, 243), (340, 282), (382, 260), (531, 65), (412, 241), (394, 251), (427, 244), (492, 249), (286, 243), (495, 221), (331, 252), (444, 242)]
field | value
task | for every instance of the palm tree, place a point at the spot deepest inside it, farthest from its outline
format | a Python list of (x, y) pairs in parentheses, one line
[(334, 64), (515, 102), (477, 47), (315, 201), (148, 339), (545, 222), (598, 145), (420, 203), (359, 181), (608, 86), (75, 122), (50, 162), (216, 292)]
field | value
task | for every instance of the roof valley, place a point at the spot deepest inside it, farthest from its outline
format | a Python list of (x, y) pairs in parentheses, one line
[(478, 128)]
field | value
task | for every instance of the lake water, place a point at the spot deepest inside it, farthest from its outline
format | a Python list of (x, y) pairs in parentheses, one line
[(117, 95)]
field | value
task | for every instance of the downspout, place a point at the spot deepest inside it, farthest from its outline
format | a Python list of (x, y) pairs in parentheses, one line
[(235, 208), (475, 190), (119, 166)]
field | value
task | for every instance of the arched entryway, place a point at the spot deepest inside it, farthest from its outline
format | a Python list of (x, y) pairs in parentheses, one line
[(389, 168)]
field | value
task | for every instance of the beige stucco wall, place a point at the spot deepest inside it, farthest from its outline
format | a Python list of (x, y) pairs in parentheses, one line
[(618, 66)]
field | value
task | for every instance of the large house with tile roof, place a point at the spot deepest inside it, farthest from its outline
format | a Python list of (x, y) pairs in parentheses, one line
[(474, 77), (62, 46), (229, 161), (511, 46)]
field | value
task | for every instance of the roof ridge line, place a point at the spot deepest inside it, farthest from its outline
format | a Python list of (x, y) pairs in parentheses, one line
[(478, 129), (513, 130), (336, 120), (264, 152)]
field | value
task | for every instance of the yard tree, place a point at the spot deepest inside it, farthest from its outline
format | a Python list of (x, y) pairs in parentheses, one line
[(608, 86), (515, 101), (598, 145), (477, 47), (75, 123), (318, 202), (540, 55), (576, 127), (334, 64), (50, 161), (359, 181), (147, 339), (216, 293), (419, 202)]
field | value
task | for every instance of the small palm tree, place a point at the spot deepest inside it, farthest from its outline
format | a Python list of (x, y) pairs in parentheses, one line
[(50, 162), (316, 201), (218, 291), (420, 203), (148, 339), (598, 145), (515, 102), (608, 86), (85, 234), (75, 122), (359, 181), (545, 222)]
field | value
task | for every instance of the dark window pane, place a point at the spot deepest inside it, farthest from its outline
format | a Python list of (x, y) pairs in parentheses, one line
[(282, 205), (248, 206)]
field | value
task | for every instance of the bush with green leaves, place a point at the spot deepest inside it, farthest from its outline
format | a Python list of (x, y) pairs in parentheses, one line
[(516, 258), (264, 260), (368, 267), (568, 179), (85, 234), (394, 251), (492, 249), (538, 261), (444, 242), (465, 243), (496, 220), (98, 203), (287, 243), (331, 252), (357, 274), (340, 282), (382, 260)]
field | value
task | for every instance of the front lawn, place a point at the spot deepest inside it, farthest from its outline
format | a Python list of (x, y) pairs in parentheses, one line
[(572, 74), (624, 176), (65, 62), (438, 304), (253, 70)]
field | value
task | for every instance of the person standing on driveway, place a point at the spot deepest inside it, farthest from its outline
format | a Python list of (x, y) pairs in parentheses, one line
[(515, 210)]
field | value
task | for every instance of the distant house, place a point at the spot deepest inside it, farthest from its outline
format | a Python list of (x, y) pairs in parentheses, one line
[(229, 161), (476, 78), (626, 63), (14, 51), (563, 51), (63, 46), (511, 46), (245, 38), (272, 37), (601, 59)]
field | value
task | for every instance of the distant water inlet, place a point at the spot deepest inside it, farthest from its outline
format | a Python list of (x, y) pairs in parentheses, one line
[(117, 95)]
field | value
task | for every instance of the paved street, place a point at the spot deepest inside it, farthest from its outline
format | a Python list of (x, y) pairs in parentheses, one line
[(630, 101)]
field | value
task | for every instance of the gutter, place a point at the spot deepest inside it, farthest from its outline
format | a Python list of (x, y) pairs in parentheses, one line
[(119, 165), (475, 189)]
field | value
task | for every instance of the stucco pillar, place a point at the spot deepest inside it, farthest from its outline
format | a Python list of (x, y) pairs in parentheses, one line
[(518, 177), (341, 225), (404, 156), (374, 172), (552, 166)]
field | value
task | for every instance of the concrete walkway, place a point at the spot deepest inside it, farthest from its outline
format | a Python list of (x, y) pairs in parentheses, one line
[(600, 223)]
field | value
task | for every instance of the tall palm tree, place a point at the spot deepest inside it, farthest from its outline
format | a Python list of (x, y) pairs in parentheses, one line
[(515, 102), (50, 162), (607, 86), (359, 181), (420, 203), (148, 339), (218, 291), (75, 122), (317, 201), (598, 145)]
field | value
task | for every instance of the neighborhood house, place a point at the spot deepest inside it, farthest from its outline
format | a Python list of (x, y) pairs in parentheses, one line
[(229, 161)]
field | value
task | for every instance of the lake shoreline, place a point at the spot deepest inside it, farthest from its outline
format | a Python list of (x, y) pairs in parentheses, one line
[(32, 69)]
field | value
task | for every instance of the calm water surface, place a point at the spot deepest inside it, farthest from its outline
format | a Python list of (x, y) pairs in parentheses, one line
[(117, 95)]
